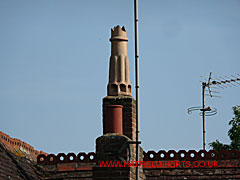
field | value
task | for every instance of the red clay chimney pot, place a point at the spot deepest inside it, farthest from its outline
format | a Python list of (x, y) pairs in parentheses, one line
[(113, 123)]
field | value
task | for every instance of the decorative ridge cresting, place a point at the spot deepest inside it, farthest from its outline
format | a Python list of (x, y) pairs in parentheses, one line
[(52, 159), (191, 155), (19, 147)]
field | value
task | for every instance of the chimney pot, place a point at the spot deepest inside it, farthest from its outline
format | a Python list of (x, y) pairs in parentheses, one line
[(113, 121), (119, 76)]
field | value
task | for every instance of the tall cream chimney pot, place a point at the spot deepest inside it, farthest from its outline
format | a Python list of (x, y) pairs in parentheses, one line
[(119, 77)]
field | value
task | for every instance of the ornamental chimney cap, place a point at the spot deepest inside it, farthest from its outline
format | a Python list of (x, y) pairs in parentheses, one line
[(118, 34), (119, 75)]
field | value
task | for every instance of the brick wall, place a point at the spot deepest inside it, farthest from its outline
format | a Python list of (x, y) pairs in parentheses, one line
[(201, 165), (67, 166), (107, 147)]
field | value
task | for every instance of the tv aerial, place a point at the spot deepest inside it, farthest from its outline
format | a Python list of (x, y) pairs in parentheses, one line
[(211, 84)]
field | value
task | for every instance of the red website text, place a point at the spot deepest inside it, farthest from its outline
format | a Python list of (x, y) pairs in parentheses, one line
[(161, 164)]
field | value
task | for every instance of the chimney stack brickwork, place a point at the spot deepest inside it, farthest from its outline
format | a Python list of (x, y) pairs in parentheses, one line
[(112, 147)]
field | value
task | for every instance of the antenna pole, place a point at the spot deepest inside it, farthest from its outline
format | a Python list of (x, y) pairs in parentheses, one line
[(203, 115), (137, 83), (212, 111)]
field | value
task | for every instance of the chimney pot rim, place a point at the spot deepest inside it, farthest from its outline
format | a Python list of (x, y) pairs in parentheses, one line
[(115, 106)]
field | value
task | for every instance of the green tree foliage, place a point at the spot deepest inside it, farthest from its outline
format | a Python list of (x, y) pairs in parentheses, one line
[(233, 133)]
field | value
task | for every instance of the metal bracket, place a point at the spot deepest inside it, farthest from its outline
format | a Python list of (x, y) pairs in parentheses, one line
[(119, 153)]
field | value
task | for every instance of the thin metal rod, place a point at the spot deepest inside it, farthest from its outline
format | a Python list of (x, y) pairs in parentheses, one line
[(137, 82), (203, 109)]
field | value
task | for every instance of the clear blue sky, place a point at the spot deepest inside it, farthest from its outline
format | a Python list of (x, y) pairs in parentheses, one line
[(54, 58)]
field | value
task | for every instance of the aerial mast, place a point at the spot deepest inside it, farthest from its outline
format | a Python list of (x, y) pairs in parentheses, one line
[(137, 83), (208, 111)]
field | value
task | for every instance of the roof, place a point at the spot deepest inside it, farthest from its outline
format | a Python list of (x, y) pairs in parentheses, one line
[(13, 167), (20, 163)]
